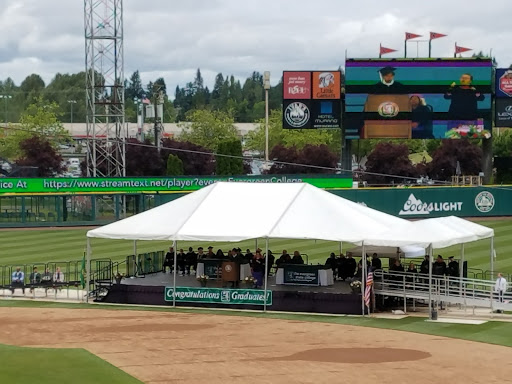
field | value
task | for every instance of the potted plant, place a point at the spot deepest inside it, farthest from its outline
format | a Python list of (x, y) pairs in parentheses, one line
[(118, 277), (203, 279), (356, 286), (249, 281)]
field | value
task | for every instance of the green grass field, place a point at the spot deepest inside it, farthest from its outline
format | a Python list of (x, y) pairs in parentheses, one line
[(45, 245), (49, 366)]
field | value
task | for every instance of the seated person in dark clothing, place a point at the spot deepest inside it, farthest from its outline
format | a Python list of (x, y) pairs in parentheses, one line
[(424, 265), (169, 260), (283, 259), (270, 261), (376, 262), (181, 260), (35, 278), (453, 267), (220, 254), (47, 278), (200, 253), (297, 258), (421, 117), (191, 259), (18, 280), (359, 272), (341, 266), (350, 266), (331, 262), (210, 254), (439, 267), (237, 256), (248, 255)]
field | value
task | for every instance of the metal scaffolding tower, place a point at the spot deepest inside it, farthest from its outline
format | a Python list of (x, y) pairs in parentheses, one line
[(104, 69)]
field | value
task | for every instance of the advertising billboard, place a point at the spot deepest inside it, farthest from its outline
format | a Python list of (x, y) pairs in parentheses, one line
[(503, 108), (311, 99), (418, 98), (504, 83)]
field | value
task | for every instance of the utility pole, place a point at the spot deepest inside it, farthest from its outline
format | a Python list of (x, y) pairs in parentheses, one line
[(159, 101), (71, 102), (266, 86)]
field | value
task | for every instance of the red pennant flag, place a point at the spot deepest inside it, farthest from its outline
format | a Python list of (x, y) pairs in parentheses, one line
[(461, 49), (409, 35), (435, 35), (384, 50)]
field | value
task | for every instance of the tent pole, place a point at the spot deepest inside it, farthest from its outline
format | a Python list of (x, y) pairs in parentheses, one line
[(492, 258), (135, 256), (461, 268), (341, 247), (174, 275), (266, 277), (256, 246), (88, 269), (363, 266), (430, 258)]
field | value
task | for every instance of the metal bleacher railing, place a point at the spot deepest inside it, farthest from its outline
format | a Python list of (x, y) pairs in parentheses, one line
[(72, 276), (469, 293)]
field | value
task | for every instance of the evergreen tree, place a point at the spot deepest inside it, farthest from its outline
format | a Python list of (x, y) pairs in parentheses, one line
[(174, 166), (229, 166), (134, 88)]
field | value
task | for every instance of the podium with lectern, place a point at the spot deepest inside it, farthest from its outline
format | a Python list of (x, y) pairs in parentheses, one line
[(386, 106)]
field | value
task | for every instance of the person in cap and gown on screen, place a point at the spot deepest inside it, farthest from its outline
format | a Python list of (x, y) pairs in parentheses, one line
[(387, 83), (464, 99)]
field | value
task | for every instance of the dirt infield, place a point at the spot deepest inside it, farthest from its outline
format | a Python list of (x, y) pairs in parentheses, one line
[(159, 347)]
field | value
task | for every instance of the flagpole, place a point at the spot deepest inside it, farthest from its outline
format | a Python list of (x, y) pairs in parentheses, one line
[(405, 48), (455, 51), (429, 48), (380, 50)]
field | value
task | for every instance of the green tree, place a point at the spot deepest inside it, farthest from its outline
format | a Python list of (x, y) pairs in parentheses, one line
[(174, 166), (208, 128), (227, 166), (502, 143), (291, 137), (39, 119), (134, 88)]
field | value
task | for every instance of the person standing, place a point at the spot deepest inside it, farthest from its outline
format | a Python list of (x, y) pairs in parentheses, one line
[(500, 288), (453, 267), (464, 99), (376, 262)]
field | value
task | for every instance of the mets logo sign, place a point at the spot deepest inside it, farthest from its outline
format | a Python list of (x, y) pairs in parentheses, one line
[(388, 109), (484, 202)]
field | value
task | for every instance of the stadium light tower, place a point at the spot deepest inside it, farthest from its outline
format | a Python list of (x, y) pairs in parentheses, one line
[(104, 69)]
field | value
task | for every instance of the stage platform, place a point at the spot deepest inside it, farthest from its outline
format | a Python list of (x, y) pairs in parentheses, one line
[(149, 290)]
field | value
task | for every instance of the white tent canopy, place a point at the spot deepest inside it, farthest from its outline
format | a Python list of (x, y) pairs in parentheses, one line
[(407, 251), (438, 232), (241, 211)]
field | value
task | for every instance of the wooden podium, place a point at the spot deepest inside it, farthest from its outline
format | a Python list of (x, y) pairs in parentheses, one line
[(230, 271), (397, 129)]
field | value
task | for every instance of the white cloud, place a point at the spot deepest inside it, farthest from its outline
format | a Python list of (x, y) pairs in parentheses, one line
[(171, 39)]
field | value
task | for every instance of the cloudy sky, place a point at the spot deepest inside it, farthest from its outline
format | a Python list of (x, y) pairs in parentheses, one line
[(172, 38)]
